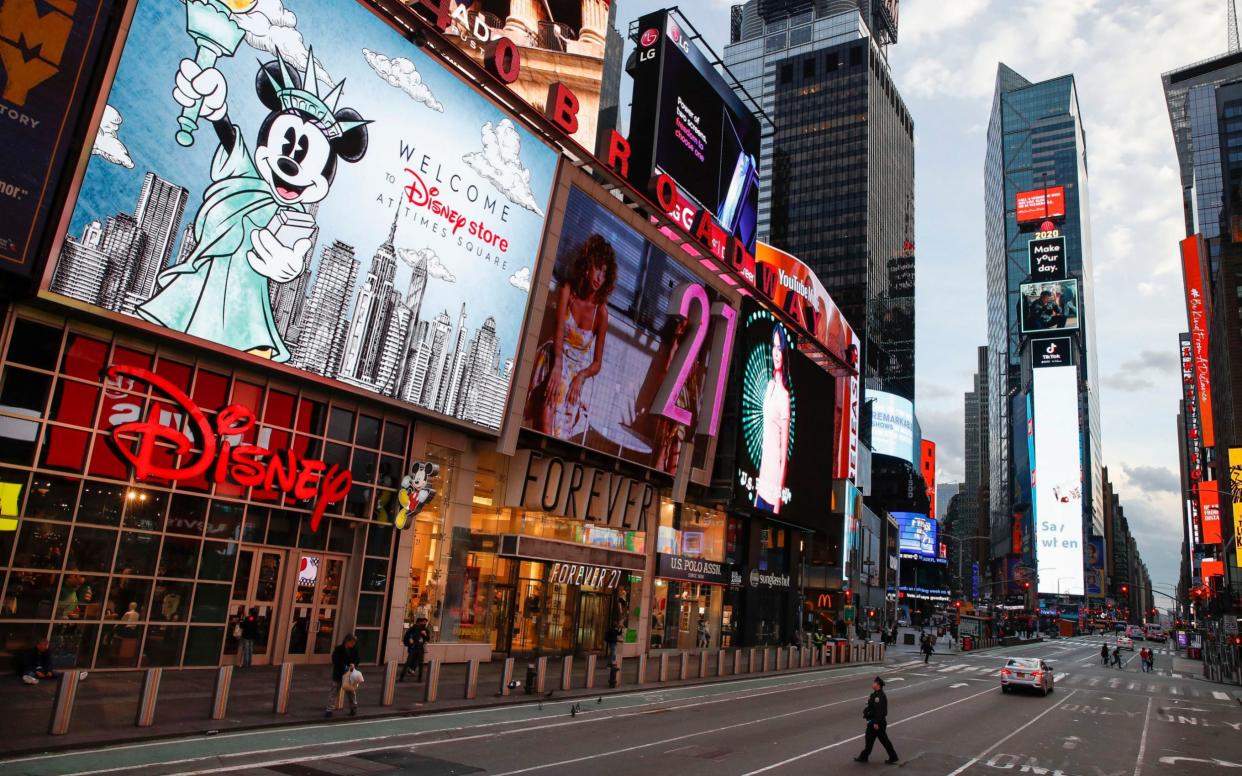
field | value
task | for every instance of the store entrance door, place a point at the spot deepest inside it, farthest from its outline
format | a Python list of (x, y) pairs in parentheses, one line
[(593, 622), (255, 588), (312, 631)]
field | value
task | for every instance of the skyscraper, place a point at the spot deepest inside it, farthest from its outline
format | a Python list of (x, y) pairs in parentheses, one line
[(974, 503), (318, 349), (124, 243), (160, 207), (837, 170), (374, 308), (82, 267), (1036, 147)]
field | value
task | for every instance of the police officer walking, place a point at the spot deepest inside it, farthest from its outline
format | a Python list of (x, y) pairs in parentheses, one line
[(876, 714)]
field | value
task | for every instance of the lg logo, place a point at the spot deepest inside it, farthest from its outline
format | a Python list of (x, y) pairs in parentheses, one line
[(649, 37)]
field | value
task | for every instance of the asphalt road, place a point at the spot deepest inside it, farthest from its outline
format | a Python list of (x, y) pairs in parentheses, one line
[(948, 718)]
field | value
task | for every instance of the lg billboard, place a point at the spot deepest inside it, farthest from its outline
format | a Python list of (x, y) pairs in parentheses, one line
[(1059, 549)]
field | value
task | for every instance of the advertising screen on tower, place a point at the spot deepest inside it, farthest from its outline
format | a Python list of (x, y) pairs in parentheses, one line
[(1235, 487), (918, 534), (1050, 306), (688, 123), (1057, 480), (892, 426), (785, 423), (1039, 204), (1197, 315), (361, 214), (613, 335)]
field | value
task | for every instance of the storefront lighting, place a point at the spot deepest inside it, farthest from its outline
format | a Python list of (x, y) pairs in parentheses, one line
[(483, 501)]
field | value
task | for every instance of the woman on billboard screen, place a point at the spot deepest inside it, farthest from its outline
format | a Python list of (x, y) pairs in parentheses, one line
[(575, 353), (773, 461)]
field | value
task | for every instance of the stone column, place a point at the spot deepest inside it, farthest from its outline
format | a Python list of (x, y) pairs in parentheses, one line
[(594, 31), (522, 24)]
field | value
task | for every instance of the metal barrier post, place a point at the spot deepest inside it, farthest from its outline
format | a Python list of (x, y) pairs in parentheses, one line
[(541, 673), (642, 670), (280, 700), (567, 672), (664, 667), (146, 703), (220, 698), (590, 671), (720, 663), (388, 691), (62, 710), (703, 664), (506, 676), (433, 681), (472, 679), (684, 670)]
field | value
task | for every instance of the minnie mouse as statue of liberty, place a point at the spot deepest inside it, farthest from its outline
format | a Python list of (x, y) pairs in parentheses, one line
[(253, 227)]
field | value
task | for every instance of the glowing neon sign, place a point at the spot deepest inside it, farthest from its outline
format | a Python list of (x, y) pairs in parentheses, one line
[(223, 458)]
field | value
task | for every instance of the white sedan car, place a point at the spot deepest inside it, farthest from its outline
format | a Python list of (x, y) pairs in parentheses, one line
[(1125, 642), (1026, 672)]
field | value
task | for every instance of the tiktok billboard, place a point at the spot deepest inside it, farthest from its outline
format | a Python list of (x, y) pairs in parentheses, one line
[(294, 180)]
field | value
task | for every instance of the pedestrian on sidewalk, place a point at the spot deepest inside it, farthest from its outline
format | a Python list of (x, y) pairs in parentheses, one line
[(1104, 654), (927, 648), (36, 663), (415, 641), (612, 637), (248, 631), (344, 660), (876, 714)]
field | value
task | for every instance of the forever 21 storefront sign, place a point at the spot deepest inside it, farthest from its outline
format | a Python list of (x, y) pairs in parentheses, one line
[(222, 457)]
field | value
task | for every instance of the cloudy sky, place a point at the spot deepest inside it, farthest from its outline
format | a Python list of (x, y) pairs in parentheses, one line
[(945, 67)]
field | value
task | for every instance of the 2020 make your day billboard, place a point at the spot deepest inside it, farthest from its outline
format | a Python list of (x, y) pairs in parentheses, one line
[(296, 181)]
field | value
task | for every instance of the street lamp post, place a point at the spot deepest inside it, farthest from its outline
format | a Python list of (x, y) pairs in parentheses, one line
[(959, 540)]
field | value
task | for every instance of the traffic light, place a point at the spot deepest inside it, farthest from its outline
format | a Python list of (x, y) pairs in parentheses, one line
[(1236, 641), (1125, 589), (957, 604), (1026, 585), (871, 613)]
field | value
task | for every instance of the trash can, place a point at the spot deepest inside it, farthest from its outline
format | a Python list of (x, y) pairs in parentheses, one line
[(965, 643)]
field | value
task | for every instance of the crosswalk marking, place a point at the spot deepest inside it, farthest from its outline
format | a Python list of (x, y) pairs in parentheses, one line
[(1132, 686), (1175, 690), (1059, 677), (1151, 688), (1220, 696), (1093, 681)]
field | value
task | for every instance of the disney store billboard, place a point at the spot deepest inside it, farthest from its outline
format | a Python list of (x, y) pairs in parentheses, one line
[(295, 181)]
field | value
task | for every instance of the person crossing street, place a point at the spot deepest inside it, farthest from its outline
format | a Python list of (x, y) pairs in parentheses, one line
[(876, 714)]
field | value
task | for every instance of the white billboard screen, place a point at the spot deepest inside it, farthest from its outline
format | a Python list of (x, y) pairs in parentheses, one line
[(892, 425), (1058, 481)]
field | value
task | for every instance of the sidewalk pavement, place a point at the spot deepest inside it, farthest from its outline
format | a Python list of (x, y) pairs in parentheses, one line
[(1187, 667), (107, 703)]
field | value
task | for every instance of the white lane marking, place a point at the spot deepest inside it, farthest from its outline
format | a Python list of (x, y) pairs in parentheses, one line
[(1175, 691), (655, 700), (1151, 688), (1132, 686), (1220, 696), (1030, 722), (1196, 693), (957, 667), (636, 747), (796, 758), (959, 684), (1138, 762)]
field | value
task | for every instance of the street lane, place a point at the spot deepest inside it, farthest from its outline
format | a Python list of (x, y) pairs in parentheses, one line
[(947, 717)]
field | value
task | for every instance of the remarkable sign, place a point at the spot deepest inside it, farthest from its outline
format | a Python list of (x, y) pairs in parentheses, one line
[(224, 458)]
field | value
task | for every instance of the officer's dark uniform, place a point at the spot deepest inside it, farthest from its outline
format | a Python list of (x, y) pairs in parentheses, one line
[(876, 715)]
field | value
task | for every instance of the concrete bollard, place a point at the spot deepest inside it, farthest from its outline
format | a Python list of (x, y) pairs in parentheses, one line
[(750, 661), (146, 702), (720, 663), (703, 664), (541, 673), (684, 670), (789, 661), (432, 693), (641, 676), (737, 662), (804, 658), (767, 659), (506, 677), (62, 708), (284, 681), (590, 671), (220, 695), (388, 690), (664, 667), (567, 672), (618, 672), (472, 679)]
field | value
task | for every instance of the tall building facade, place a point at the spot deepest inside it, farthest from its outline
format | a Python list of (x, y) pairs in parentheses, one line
[(1205, 110), (1036, 141), (973, 510), (160, 207), (837, 165)]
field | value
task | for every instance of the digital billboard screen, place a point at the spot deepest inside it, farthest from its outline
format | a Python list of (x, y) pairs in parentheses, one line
[(693, 127), (1057, 478), (785, 421), (917, 534), (1047, 258), (1039, 204), (892, 426), (361, 214), (607, 343), (1049, 306)]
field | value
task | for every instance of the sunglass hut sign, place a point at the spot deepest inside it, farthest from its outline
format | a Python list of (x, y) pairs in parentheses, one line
[(222, 456)]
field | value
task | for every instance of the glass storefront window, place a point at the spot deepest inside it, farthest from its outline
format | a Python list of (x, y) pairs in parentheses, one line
[(128, 599), (686, 615), (91, 549), (41, 545), (30, 595), (81, 597)]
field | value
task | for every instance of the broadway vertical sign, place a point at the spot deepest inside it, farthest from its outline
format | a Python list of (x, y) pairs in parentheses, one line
[(1197, 313)]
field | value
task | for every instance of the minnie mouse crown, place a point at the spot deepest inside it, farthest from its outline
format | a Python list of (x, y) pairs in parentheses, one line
[(308, 100)]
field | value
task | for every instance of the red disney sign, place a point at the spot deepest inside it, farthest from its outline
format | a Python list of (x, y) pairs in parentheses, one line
[(221, 459)]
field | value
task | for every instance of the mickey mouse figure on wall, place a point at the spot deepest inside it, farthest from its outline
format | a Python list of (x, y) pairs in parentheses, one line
[(415, 493)]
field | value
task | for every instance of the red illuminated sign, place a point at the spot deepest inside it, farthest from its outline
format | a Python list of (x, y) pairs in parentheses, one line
[(1197, 315), (223, 457), (1040, 204), (929, 473), (1209, 509)]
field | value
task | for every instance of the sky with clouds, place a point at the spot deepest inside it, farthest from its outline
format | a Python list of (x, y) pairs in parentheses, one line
[(945, 67)]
